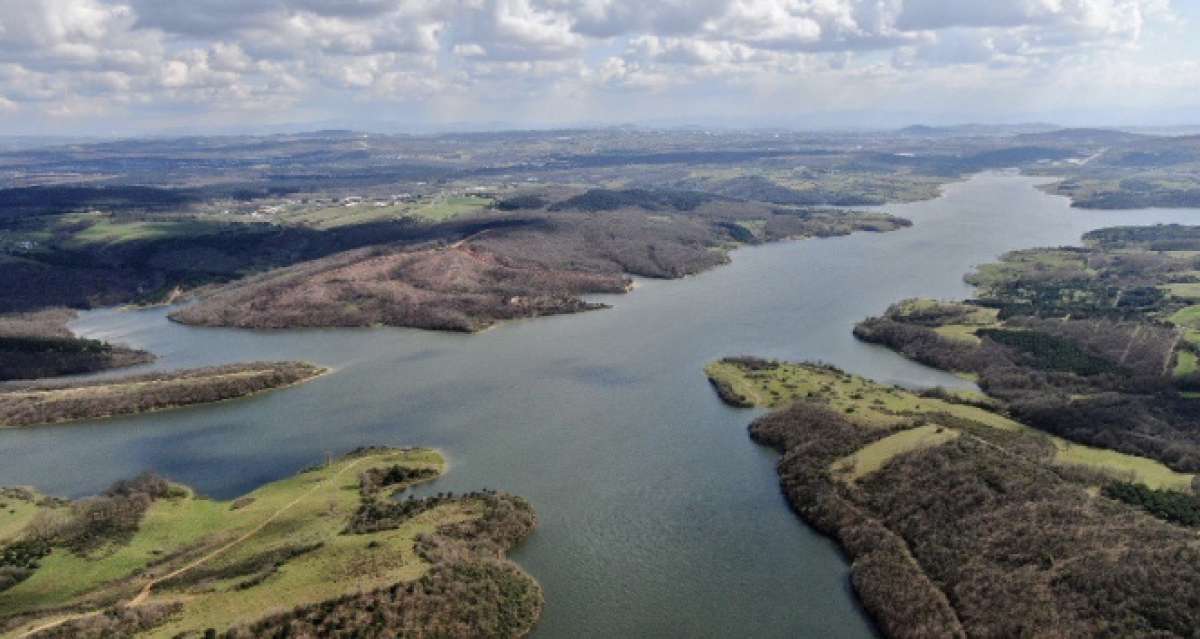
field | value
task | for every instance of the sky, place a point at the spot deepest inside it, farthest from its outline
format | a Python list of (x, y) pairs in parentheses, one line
[(122, 67)]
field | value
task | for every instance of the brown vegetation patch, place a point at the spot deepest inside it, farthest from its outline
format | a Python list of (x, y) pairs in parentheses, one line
[(46, 403), (971, 538), (450, 288), (507, 271), (118, 621)]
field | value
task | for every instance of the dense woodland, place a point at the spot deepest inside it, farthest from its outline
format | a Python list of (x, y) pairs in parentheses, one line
[(39, 344), (981, 536)]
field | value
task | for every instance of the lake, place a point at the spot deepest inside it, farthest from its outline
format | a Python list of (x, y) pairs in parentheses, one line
[(658, 514)]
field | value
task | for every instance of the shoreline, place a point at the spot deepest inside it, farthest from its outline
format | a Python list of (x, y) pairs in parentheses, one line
[(430, 547), (321, 372), (855, 456)]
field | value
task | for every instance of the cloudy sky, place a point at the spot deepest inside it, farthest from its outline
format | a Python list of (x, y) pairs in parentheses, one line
[(128, 66)]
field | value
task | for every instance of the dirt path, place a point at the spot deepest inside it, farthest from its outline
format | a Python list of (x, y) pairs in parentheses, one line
[(1166, 369), (146, 590), (1137, 331), (145, 593), (58, 622)]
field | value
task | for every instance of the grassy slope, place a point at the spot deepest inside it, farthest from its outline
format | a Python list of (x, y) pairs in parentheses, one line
[(444, 208), (1187, 317), (1187, 364), (1017, 263), (873, 456), (15, 514), (334, 216), (437, 209), (969, 319), (310, 508), (105, 231), (876, 405), (1183, 291), (344, 564)]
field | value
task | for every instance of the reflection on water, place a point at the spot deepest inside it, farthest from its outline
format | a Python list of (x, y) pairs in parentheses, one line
[(658, 515)]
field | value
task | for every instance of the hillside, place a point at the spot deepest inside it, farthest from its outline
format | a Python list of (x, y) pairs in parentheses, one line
[(541, 267), (152, 559), (961, 522)]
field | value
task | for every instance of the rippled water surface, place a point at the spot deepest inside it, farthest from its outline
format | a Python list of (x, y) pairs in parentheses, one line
[(658, 515)]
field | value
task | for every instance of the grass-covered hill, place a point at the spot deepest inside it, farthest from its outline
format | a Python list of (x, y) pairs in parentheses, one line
[(336, 549)]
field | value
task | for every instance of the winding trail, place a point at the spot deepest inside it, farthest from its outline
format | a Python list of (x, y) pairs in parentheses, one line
[(146, 590)]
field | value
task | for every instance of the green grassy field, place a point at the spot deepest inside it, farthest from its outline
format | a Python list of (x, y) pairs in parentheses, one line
[(447, 207), (1187, 364), (436, 209), (872, 457), (104, 230), (961, 321), (1189, 291), (15, 515), (898, 187), (335, 216), (192, 536), (871, 404), (1018, 263), (960, 332), (1188, 317), (867, 402), (75, 230), (965, 314), (1139, 469)]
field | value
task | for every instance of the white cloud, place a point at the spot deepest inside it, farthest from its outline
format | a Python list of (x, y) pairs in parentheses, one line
[(242, 54)]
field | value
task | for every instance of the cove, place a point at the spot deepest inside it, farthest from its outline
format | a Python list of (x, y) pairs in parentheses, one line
[(659, 517)]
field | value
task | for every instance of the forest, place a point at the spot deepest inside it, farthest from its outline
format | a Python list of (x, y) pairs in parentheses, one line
[(966, 523), (39, 344), (1088, 343)]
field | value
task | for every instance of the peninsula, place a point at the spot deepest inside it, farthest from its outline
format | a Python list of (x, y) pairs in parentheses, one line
[(331, 549)]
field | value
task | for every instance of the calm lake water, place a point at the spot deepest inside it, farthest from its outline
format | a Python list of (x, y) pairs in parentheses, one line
[(658, 515)]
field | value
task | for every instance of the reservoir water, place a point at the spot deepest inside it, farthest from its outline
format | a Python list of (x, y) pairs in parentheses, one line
[(659, 517)]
